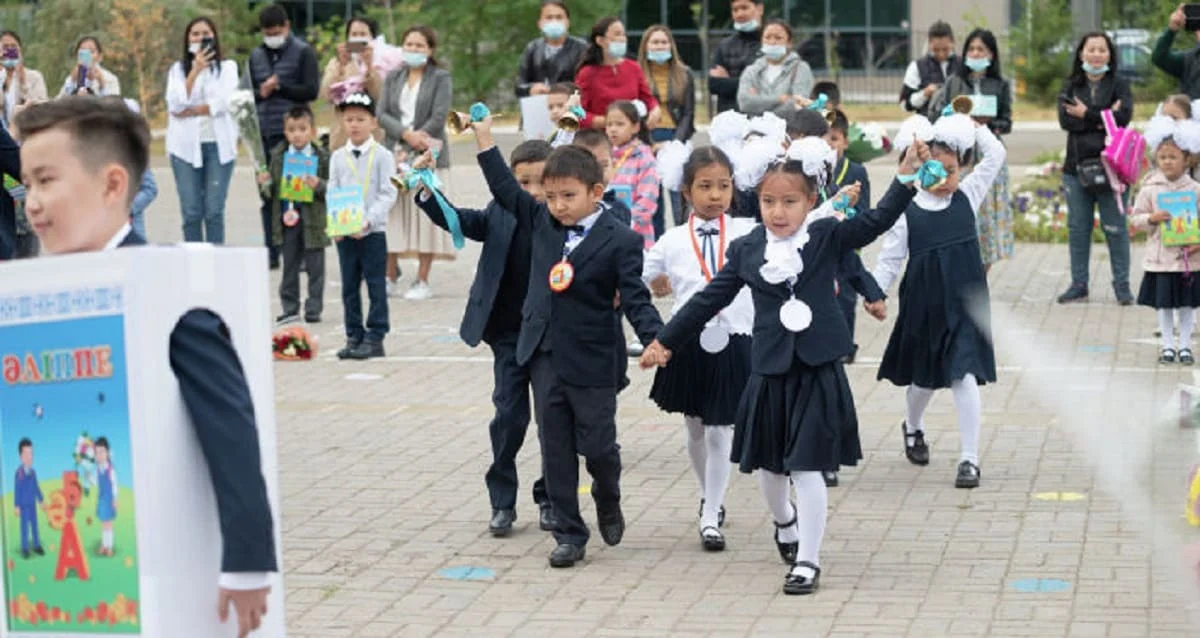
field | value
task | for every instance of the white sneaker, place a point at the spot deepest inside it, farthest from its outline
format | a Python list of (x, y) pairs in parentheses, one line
[(393, 288), (419, 291)]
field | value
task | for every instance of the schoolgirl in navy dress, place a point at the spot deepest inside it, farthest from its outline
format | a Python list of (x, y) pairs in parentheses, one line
[(796, 416), (709, 371), (937, 342)]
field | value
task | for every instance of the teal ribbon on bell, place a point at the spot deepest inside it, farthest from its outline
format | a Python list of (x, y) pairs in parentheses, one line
[(930, 175), (419, 177), (578, 112), (948, 110), (842, 204), (819, 103), (479, 112)]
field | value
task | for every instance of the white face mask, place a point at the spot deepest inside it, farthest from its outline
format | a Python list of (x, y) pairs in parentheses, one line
[(363, 40), (194, 47), (274, 41)]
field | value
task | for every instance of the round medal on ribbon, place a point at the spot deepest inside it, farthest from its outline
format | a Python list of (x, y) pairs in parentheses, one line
[(291, 218), (795, 315), (561, 276), (714, 338)]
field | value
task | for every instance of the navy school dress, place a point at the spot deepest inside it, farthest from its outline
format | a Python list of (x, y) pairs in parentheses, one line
[(935, 340), (797, 410)]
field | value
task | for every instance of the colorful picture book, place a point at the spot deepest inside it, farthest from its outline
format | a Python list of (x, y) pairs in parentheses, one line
[(346, 210), (296, 167), (1183, 229)]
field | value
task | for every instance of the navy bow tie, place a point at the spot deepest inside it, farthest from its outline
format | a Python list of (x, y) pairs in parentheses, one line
[(577, 229), (357, 153), (708, 232)]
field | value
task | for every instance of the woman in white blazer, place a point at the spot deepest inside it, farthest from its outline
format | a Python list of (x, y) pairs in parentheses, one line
[(201, 133)]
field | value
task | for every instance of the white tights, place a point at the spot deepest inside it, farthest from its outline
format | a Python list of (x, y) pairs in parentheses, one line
[(708, 446), (1166, 325), (966, 403), (811, 509)]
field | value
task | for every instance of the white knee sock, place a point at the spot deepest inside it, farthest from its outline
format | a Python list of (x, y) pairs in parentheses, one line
[(775, 490), (812, 502), (718, 439), (695, 447), (969, 408), (107, 539), (1187, 323), (916, 400), (1166, 325)]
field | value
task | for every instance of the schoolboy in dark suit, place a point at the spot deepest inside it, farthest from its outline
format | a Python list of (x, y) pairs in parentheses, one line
[(493, 315), (81, 160), (581, 258)]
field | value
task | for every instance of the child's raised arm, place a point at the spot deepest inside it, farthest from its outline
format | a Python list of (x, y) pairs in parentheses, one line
[(977, 185), (500, 180)]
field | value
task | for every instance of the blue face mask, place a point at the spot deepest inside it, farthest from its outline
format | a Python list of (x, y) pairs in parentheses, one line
[(415, 59), (1095, 70), (978, 64), (774, 51), (659, 57), (617, 49), (748, 26), (10, 62), (554, 29)]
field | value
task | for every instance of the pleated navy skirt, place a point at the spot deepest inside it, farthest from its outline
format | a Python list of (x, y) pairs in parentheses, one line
[(703, 384), (1169, 290)]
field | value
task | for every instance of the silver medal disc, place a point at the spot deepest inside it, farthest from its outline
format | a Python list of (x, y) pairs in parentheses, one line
[(714, 338), (795, 315)]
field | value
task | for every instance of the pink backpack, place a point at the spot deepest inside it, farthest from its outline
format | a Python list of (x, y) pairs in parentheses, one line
[(1123, 156)]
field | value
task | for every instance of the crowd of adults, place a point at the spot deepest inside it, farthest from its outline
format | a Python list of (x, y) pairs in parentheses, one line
[(756, 70)]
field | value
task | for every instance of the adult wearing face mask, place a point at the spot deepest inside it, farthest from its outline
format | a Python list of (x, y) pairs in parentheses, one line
[(353, 64), (736, 52), (605, 76), (779, 82), (553, 57), (22, 86), (283, 74), (89, 76), (924, 77)]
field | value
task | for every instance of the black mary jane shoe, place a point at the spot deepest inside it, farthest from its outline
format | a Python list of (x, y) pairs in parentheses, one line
[(1185, 357), (566, 555), (712, 539), (968, 476), (797, 585), (502, 522), (787, 551), (720, 514), (546, 519), (831, 478), (918, 452), (1166, 356)]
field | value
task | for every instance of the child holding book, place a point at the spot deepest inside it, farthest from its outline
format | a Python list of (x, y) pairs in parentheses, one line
[(298, 227), (1166, 208), (634, 173)]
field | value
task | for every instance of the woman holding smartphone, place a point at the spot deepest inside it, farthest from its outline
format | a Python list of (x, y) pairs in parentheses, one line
[(89, 76), (201, 134), (22, 86), (353, 65)]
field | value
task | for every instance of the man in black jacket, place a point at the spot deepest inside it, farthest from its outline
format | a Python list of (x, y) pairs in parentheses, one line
[(736, 52), (925, 76), (553, 57)]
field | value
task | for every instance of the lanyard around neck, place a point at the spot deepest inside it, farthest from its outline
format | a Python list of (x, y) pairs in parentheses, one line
[(708, 275), (354, 169), (628, 152)]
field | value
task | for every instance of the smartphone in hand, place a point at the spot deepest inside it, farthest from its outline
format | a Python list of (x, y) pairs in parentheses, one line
[(353, 46), (208, 44), (1191, 16)]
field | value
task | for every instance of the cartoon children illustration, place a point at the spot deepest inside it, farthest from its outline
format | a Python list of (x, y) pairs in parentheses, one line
[(106, 495), (27, 494)]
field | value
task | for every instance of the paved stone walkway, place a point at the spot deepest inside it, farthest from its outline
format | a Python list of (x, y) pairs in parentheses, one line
[(385, 511)]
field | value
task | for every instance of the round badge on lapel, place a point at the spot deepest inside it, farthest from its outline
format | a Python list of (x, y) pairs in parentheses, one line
[(291, 218), (795, 315), (561, 276)]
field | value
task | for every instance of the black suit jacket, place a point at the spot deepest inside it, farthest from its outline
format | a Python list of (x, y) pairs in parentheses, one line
[(774, 347), (577, 324), (10, 164), (218, 401), (495, 228)]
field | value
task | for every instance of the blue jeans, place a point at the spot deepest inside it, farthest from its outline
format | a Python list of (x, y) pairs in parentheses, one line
[(1081, 207), (666, 135), (364, 260), (202, 194)]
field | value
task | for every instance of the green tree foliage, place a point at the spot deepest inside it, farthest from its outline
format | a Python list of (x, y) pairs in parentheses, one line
[(58, 25), (1041, 48), (237, 23)]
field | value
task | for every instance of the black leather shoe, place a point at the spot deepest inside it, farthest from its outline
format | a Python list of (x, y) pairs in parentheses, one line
[(566, 555), (787, 551), (1124, 295), (1167, 355), (367, 350), (502, 522), (918, 452), (546, 519), (351, 346), (968, 475), (831, 478), (286, 318), (796, 585), (1077, 292), (312, 318), (612, 525), (1185, 357), (712, 539)]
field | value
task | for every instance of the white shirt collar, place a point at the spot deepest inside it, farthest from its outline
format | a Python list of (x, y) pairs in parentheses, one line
[(364, 148), (707, 223), (929, 201), (590, 220), (307, 150), (119, 237)]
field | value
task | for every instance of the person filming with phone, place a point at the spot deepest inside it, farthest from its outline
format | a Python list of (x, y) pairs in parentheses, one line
[(89, 77), (201, 133), (350, 71), (1182, 65), (22, 86)]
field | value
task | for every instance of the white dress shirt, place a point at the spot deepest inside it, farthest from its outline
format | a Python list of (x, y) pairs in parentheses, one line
[(575, 237), (408, 103), (227, 580), (186, 134), (379, 193), (912, 79), (674, 255), (975, 186)]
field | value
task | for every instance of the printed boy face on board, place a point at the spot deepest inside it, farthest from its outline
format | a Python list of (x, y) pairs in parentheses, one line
[(27, 455), (570, 200), (529, 176), (72, 207), (299, 131)]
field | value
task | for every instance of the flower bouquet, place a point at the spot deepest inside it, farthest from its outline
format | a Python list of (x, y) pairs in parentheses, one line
[(339, 91), (245, 113), (293, 343), (867, 142)]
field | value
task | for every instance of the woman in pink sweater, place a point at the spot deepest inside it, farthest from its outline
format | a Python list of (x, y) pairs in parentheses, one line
[(605, 76)]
